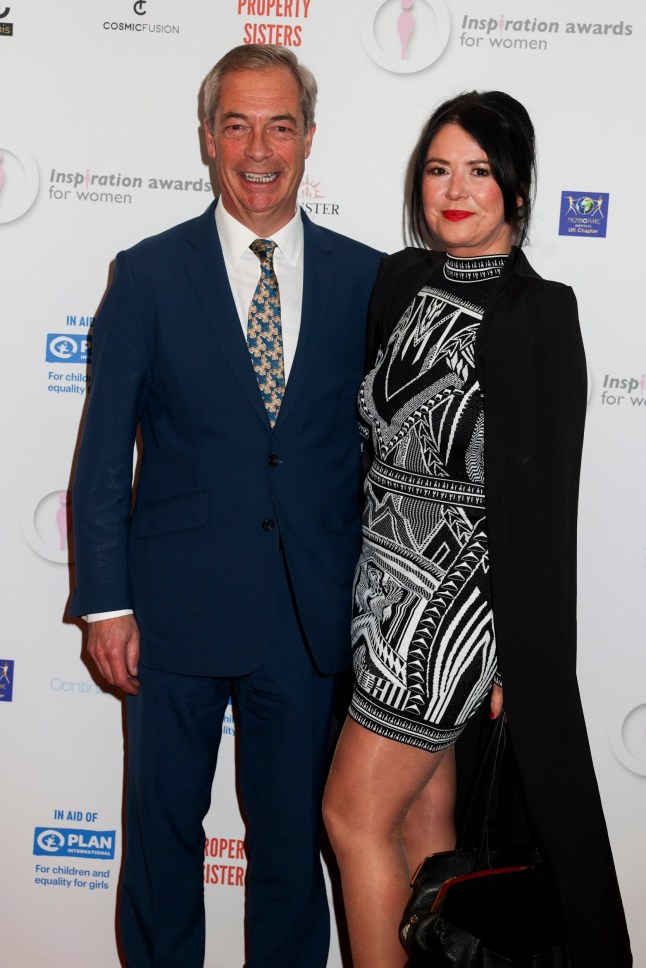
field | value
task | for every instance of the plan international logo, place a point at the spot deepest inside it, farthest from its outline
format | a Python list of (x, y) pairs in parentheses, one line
[(584, 213), (63, 348), (74, 842)]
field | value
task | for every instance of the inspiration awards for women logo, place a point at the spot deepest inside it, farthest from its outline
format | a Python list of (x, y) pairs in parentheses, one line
[(47, 525), (405, 36), (627, 734), (18, 180)]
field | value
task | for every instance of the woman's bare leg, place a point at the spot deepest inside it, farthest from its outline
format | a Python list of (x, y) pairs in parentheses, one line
[(373, 784), (430, 823)]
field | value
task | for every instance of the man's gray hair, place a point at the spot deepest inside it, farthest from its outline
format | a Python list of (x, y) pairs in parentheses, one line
[(260, 57)]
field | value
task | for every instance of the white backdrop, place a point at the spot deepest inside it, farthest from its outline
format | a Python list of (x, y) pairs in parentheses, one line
[(99, 147)]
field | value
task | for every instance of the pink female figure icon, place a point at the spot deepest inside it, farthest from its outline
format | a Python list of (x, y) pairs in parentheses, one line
[(63, 517), (405, 26)]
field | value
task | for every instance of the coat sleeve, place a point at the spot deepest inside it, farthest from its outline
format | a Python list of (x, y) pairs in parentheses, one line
[(535, 401), (102, 490)]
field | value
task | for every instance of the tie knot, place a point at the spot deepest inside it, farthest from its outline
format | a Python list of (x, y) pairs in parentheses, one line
[(264, 249)]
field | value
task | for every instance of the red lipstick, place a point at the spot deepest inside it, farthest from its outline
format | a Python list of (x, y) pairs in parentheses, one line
[(455, 214)]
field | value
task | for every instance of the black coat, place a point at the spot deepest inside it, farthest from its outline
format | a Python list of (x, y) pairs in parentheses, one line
[(531, 367)]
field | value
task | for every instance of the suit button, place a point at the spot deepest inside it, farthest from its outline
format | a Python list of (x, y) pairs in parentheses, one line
[(273, 460), (268, 525)]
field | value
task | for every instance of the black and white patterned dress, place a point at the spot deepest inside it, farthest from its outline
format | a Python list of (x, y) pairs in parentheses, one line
[(424, 650)]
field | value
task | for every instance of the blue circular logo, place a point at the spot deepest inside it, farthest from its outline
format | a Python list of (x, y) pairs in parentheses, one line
[(584, 205), (50, 840)]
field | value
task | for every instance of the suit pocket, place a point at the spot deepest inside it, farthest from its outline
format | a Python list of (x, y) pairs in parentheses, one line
[(342, 514), (171, 514)]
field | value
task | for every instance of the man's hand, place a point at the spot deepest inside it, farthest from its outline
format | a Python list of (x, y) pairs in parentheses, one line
[(113, 644), (496, 702)]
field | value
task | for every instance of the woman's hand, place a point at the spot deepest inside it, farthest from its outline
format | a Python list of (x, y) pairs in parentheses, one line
[(496, 702)]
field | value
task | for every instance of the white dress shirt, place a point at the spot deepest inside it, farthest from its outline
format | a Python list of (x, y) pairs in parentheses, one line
[(243, 271)]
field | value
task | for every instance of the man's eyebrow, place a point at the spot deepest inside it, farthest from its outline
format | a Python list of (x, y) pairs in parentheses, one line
[(229, 115), (234, 114), (284, 117)]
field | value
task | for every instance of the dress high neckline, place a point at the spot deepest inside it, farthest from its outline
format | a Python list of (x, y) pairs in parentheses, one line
[(474, 268)]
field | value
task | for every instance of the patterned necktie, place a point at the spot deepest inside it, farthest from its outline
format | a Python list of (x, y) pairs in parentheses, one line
[(264, 331)]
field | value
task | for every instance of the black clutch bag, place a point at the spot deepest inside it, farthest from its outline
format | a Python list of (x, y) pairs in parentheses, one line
[(474, 907)]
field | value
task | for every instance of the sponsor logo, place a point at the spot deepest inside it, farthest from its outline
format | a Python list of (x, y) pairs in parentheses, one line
[(618, 391), (6, 30), (47, 525), (139, 8), (18, 179), (6, 680), (309, 190), (405, 36), (218, 869), (74, 842), (141, 27), (91, 187), (70, 348), (271, 23), (82, 687), (312, 199), (627, 735), (53, 842), (584, 213), (63, 348), (500, 32)]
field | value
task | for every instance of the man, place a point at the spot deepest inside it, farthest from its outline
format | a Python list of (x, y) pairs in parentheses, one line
[(235, 567)]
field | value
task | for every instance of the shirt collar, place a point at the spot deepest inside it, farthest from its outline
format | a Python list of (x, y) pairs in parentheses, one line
[(236, 238)]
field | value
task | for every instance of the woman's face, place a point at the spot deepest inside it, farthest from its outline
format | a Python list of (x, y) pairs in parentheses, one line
[(463, 204)]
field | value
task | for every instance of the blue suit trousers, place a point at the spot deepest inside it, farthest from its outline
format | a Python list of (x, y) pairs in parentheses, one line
[(174, 729)]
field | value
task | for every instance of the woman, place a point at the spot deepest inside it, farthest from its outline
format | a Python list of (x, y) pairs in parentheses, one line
[(474, 417)]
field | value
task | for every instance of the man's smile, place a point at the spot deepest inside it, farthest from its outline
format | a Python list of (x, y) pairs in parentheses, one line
[(259, 178)]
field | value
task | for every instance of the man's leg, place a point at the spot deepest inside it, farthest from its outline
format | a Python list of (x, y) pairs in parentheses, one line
[(174, 729), (284, 709)]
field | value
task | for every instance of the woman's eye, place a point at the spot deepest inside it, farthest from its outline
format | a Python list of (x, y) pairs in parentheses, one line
[(481, 172), (436, 170)]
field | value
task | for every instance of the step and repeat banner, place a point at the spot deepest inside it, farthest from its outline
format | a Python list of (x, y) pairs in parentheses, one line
[(99, 147)]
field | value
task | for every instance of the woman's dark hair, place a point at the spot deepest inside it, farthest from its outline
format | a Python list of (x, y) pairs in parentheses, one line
[(503, 129)]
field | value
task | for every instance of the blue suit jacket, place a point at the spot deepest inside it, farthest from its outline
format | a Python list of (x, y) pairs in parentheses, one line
[(197, 559)]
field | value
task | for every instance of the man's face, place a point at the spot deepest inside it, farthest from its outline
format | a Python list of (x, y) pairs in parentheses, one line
[(260, 144)]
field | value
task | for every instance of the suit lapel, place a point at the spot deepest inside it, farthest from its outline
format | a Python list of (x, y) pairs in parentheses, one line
[(204, 264), (316, 289)]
